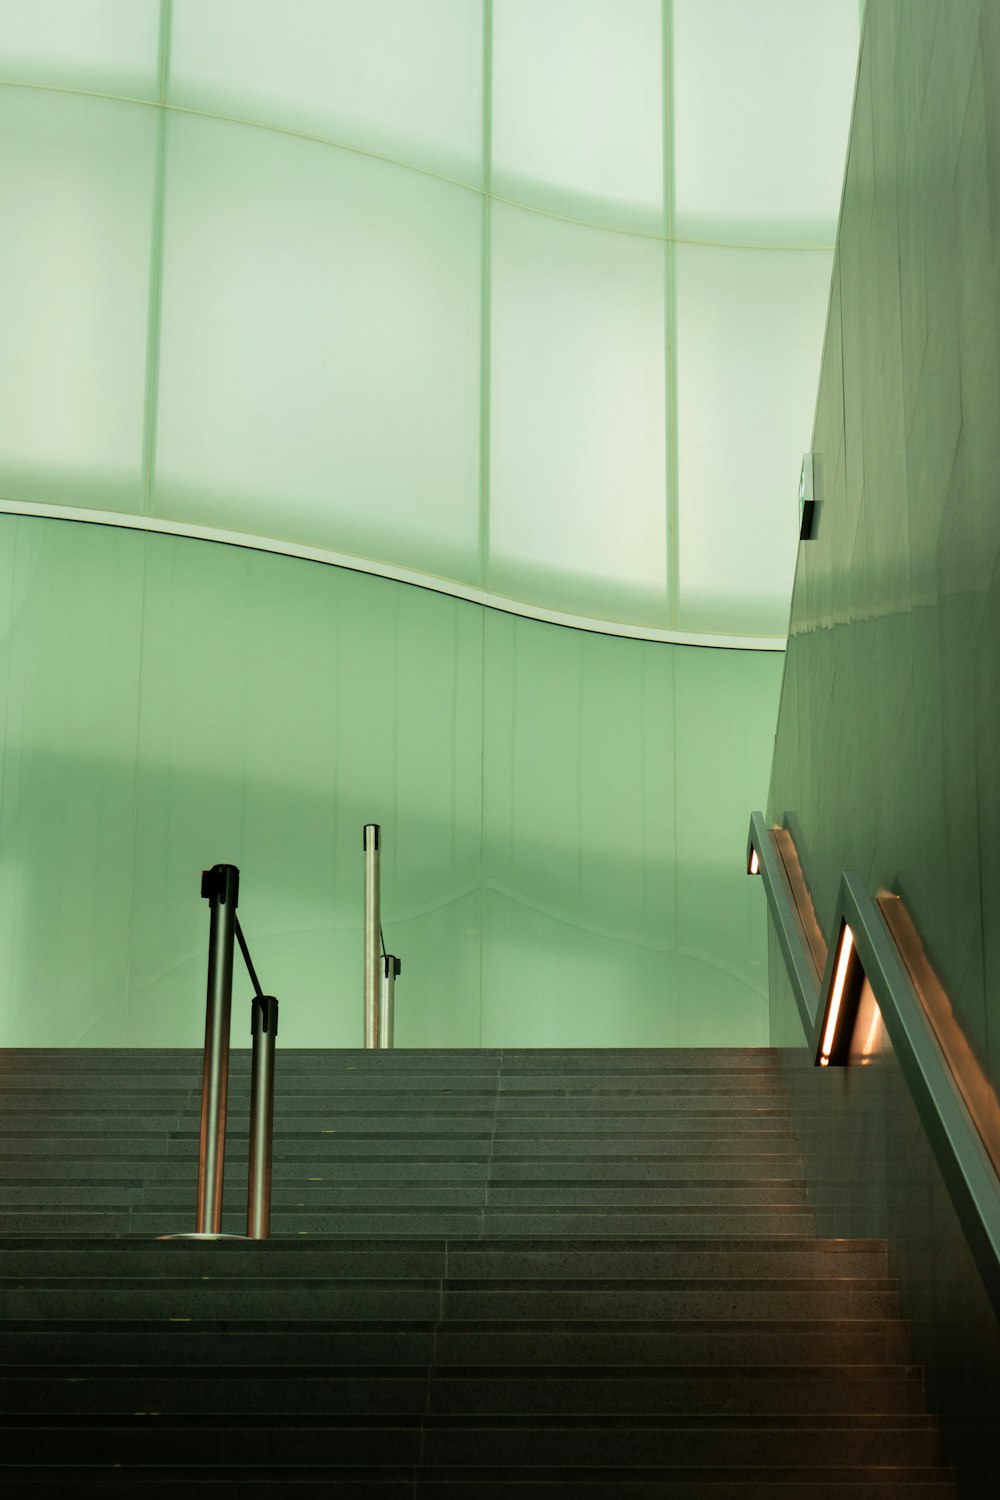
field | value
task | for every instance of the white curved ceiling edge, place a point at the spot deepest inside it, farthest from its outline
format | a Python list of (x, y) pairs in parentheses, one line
[(158, 525)]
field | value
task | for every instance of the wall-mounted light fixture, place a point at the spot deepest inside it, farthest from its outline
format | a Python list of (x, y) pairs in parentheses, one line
[(807, 497), (754, 844), (842, 987)]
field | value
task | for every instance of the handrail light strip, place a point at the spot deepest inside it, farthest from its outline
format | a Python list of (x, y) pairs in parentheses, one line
[(837, 993)]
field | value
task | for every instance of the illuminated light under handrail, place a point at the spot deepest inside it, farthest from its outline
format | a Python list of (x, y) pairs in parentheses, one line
[(754, 863), (837, 993), (835, 1003)]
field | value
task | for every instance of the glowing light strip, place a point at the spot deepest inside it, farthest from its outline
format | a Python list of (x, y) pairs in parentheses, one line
[(754, 863), (868, 1046), (837, 994)]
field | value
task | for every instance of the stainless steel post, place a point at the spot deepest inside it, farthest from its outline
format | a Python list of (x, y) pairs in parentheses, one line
[(391, 969), (264, 1029), (373, 928), (220, 886)]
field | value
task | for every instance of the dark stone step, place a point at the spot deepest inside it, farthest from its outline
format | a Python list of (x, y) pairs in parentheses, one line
[(681, 1171), (366, 1223), (632, 1443), (401, 1192), (903, 1482), (18, 1146), (512, 1060), (751, 1392), (234, 1299), (794, 1261), (309, 1081), (759, 1170), (861, 1341), (318, 1195), (184, 1342), (497, 1223)]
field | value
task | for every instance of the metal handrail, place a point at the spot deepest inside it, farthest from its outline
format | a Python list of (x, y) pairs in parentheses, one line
[(788, 924), (951, 1129)]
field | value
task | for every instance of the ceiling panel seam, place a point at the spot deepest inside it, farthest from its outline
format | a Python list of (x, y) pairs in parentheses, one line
[(182, 109), (670, 312), (485, 316), (151, 402)]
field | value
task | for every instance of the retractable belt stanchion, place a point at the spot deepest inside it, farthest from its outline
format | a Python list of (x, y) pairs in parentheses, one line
[(391, 969), (264, 1031), (220, 887), (372, 933), (380, 969)]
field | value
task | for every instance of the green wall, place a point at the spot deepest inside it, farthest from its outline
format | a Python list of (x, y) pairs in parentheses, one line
[(886, 752), (563, 813)]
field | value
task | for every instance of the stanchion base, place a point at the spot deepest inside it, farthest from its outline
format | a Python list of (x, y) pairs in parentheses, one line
[(195, 1236)]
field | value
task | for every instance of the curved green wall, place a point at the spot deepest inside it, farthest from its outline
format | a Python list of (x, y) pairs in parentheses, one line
[(564, 813)]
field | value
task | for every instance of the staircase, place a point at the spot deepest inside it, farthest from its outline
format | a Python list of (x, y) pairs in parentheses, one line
[(521, 1274)]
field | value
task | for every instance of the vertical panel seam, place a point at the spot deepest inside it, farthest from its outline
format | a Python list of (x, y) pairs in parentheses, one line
[(135, 788), (8, 1013), (671, 440), (676, 845), (148, 448), (482, 810), (484, 457), (156, 263), (670, 315), (485, 330)]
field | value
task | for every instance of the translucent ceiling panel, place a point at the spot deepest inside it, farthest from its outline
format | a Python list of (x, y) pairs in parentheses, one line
[(110, 46), (76, 184), (578, 447), (750, 333), (762, 104), (390, 76), (578, 108), (320, 360)]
